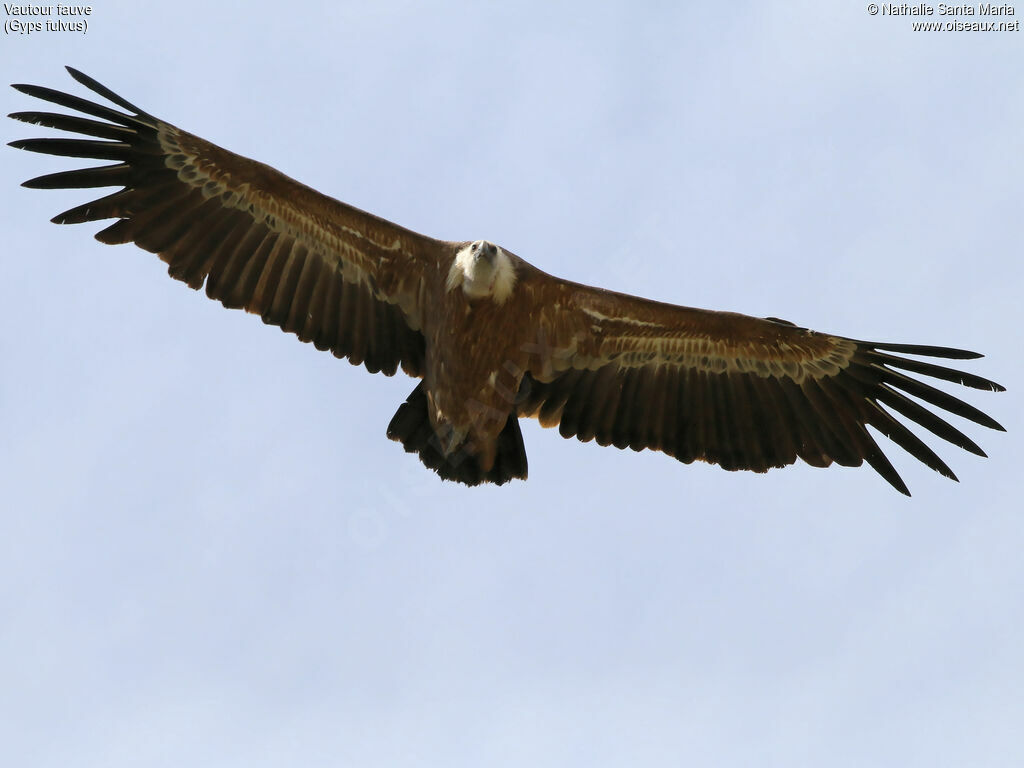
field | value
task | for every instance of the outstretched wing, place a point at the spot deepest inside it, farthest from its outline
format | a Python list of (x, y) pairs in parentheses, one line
[(738, 391), (341, 278)]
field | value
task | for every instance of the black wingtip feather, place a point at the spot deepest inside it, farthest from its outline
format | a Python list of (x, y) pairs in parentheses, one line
[(84, 148), (76, 124), (117, 175), (109, 207), (881, 464), (105, 92), (950, 353)]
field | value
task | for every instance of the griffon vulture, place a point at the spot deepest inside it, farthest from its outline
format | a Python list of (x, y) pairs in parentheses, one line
[(491, 337)]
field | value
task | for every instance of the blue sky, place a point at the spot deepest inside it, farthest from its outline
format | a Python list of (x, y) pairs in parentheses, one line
[(211, 555)]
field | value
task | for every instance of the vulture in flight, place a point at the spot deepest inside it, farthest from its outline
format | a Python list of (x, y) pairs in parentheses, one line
[(490, 337)]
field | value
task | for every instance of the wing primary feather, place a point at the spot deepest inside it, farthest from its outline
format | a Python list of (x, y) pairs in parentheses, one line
[(85, 148), (105, 92), (118, 233), (119, 175), (111, 206), (77, 124), (950, 353), (879, 462)]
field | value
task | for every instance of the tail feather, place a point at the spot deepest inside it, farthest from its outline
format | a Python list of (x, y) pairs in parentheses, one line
[(411, 427)]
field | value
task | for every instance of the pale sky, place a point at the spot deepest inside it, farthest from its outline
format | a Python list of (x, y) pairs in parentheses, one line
[(210, 554)]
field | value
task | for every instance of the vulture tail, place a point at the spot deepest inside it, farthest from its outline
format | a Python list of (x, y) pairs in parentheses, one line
[(411, 427)]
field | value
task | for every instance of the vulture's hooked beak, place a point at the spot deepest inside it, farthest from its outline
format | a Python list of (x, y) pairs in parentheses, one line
[(487, 252)]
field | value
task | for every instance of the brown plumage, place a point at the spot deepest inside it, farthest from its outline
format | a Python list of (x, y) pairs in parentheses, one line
[(492, 337)]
